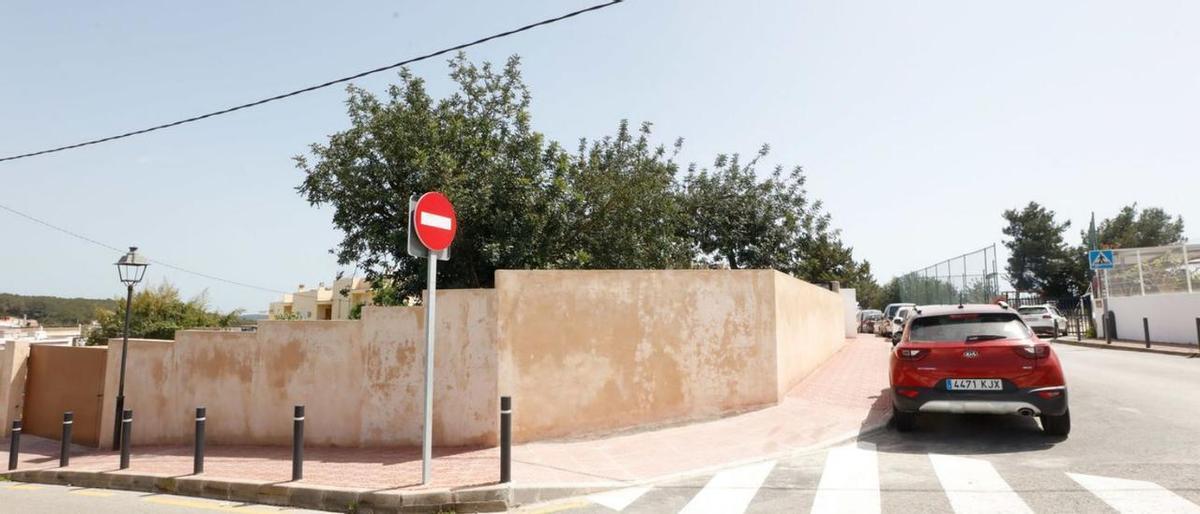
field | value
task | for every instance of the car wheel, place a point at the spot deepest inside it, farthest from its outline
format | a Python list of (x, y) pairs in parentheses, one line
[(1057, 425), (905, 421)]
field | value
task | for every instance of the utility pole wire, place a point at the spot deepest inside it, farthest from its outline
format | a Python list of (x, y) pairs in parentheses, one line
[(318, 86), (153, 261)]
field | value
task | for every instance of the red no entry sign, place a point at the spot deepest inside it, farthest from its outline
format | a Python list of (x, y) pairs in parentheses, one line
[(434, 221)]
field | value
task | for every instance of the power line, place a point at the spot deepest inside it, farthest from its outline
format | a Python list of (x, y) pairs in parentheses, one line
[(318, 86), (122, 251)]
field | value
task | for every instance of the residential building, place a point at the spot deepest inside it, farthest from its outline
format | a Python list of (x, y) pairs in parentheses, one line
[(322, 302)]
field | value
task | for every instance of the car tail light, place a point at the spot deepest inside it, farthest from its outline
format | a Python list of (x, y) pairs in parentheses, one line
[(1033, 351), (912, 354), (907, 392), (1050, 394)]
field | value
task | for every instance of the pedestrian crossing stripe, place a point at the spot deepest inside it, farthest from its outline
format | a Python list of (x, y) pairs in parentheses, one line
[(730, 490), (850, 482), (1134, 496)]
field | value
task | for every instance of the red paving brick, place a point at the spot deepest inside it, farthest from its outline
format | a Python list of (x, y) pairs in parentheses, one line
[(842, 397)]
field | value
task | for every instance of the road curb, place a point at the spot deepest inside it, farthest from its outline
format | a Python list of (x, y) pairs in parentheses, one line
[(540, 493), (1123, 348), (494, 498)]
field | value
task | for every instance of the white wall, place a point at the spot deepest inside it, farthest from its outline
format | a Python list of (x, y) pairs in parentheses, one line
[(850, 311), (1172, 316)]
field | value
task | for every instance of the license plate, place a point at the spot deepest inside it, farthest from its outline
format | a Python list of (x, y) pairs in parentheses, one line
[(974, 384), (1032, 318)]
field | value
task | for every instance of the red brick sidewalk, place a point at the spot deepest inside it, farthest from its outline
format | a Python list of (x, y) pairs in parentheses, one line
[(837, 401)]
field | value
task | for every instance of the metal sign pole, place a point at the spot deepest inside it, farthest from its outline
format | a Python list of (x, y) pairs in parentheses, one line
[(430, 311)]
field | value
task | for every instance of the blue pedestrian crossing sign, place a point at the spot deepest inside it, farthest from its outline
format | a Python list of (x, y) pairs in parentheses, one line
[(1101, 259)]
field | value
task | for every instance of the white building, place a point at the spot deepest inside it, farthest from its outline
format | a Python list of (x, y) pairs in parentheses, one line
[(1160, 284)]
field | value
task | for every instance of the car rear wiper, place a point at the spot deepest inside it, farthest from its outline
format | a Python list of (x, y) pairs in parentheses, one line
[(984, 337)]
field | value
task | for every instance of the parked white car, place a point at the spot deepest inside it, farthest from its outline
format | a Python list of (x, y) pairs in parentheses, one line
[(890, 313), (1041, 319)]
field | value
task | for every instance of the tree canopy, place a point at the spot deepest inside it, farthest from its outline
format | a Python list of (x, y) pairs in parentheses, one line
[(1039, 259), (50, 311), (157, 313), (1132, 228), (524, 202)]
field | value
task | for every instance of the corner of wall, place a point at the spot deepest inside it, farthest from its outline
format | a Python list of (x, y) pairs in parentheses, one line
[(14, 366)]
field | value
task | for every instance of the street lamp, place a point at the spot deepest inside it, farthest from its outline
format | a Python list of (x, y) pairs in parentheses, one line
[(131, 267)]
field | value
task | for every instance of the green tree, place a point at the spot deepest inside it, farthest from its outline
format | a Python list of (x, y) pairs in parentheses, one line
[(1132, 228), (525, 203), (158, 311), (736, 219), (1038, 259), (476, 146), (619, 206)]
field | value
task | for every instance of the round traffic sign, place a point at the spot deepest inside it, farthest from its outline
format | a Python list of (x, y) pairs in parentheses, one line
[(434, 221)]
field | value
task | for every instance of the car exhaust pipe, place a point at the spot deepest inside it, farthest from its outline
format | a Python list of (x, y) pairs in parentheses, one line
[(1025, 412)]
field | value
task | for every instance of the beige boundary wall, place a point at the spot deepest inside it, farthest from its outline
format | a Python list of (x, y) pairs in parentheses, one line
[(360, 381), (596, 351), (14, 366), (581, 352)]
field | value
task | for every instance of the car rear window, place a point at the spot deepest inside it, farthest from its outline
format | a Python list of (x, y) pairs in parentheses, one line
[(1032, 310), (967, 327)]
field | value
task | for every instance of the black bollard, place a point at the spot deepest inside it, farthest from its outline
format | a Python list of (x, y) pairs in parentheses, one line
[(1146, 330), (198, 454), (1197, 333), (126, 430), (14, 445), (64, 450), (505, 439), (1108, 326), (1055, 337), (298, 443)]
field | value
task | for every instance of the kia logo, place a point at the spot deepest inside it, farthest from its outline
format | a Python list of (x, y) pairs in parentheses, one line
[(970, 354)]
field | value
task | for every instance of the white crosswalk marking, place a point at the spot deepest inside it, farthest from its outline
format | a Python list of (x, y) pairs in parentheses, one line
[(619, 499), (730, 491), (973, 486), (1134, 496), (850, 482)]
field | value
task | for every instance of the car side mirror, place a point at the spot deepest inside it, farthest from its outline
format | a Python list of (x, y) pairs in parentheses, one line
[(898, 320)]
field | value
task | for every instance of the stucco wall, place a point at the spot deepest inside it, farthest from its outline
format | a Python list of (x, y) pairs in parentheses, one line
[(361, 381), (1172, 317), (809, 328), (590, 351), (61, 379), (13, 369)]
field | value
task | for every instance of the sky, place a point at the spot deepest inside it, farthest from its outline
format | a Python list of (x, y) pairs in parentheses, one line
[(918, 123)]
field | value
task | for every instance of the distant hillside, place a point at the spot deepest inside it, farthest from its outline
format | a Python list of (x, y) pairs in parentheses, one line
[(52, 310)]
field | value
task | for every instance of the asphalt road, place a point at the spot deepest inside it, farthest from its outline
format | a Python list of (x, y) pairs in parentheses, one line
[(37, 498), (1134, 447)]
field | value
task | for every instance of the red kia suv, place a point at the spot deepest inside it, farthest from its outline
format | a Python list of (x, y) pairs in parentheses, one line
[(976, 359)]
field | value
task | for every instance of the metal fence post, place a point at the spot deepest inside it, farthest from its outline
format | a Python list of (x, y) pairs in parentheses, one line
[(64, 449), (126, 430), (298, 443), (198, 454), (1146, 329), (505, 439), (14, 445)]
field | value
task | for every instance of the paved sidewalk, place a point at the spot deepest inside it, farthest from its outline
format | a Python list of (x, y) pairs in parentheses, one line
[(844, 397), (1132, 346)]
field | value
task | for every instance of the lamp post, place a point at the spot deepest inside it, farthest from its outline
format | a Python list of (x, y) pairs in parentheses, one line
[(131, 267)]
